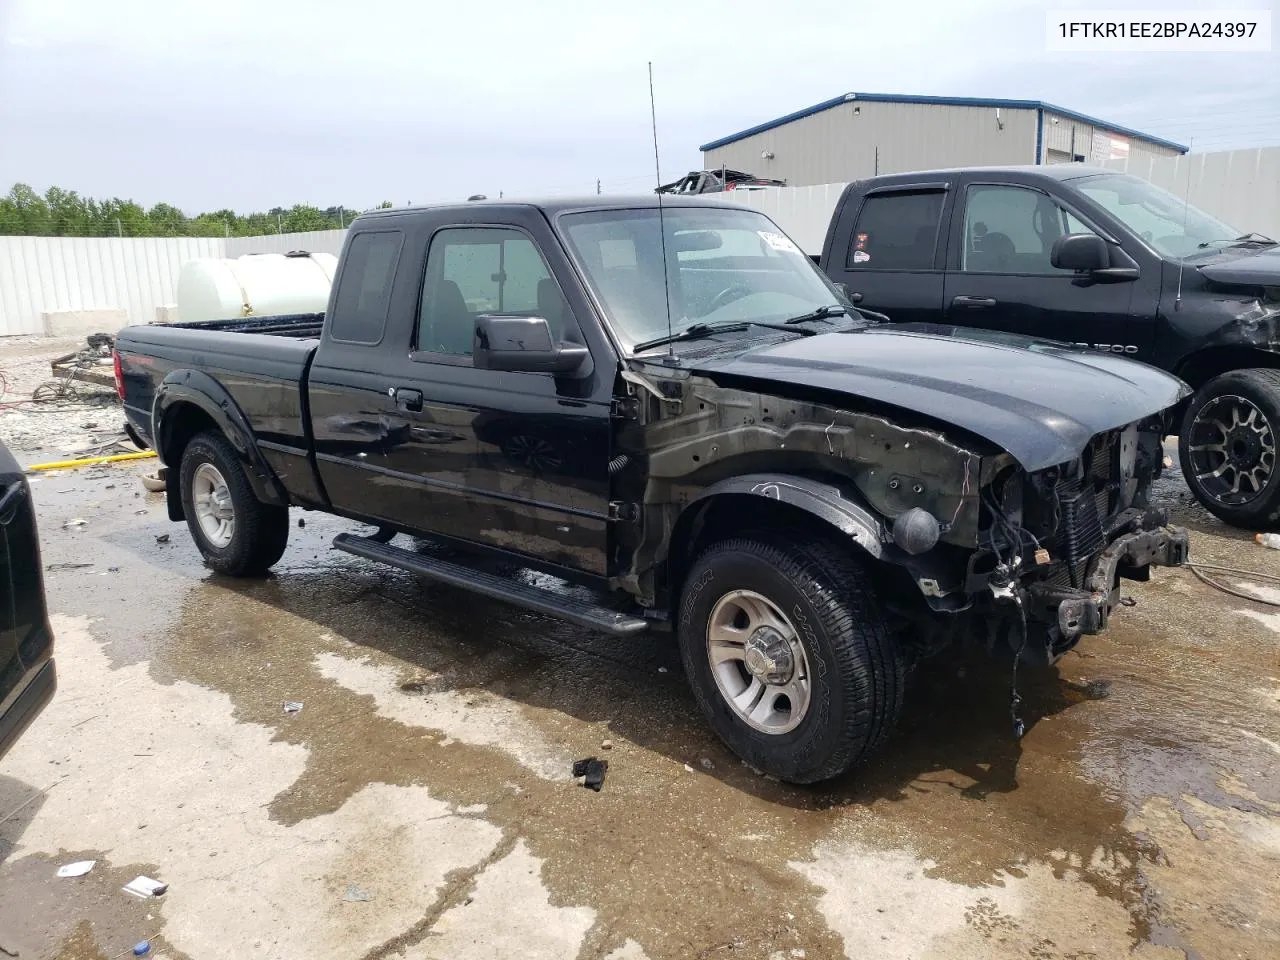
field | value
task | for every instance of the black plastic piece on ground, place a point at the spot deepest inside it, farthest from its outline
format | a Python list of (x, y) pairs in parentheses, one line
[(593, 769), (486, 584)]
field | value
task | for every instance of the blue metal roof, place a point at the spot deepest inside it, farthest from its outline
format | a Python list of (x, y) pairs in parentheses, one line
[(943, 102)]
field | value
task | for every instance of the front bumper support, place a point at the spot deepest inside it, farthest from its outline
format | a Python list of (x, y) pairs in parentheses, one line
[(1076, 612)]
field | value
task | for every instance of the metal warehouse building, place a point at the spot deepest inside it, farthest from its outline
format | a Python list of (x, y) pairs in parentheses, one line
[(862, 134)]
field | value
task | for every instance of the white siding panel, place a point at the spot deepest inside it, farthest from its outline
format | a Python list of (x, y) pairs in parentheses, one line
[(802, 212), (39, 274)]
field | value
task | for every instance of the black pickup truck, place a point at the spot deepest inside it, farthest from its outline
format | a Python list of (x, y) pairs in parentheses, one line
[(1097, 258), (670, 404)]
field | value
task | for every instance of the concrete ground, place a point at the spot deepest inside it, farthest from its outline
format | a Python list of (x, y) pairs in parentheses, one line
[(420, 805)]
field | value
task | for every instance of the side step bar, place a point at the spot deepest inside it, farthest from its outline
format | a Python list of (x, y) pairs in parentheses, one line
[(499, 588)]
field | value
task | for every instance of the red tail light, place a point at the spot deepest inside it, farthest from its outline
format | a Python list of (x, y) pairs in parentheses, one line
[(119, 371)]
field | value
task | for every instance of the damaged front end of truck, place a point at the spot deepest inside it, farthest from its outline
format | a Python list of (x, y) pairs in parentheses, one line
[(963, 540)]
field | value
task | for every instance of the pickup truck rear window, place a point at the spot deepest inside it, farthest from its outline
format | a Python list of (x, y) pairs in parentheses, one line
[(896, 231), (364, 288)]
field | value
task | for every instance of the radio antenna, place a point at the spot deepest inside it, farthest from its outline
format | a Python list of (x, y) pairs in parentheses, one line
[(662, 225), (1186, 206)]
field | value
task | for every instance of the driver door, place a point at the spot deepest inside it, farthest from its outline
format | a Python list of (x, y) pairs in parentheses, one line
[(999, 275)]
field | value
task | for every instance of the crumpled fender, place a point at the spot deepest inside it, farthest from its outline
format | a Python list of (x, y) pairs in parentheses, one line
[(203, 391), (825, 501)]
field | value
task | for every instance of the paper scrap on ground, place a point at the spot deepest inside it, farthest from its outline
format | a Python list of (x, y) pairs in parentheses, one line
[(77, 869)]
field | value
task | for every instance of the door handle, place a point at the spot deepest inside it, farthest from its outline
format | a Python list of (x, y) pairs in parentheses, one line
[(973, 302), (408, 400)]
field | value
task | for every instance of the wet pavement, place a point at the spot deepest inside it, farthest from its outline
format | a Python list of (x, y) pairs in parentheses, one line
[(420, 804)]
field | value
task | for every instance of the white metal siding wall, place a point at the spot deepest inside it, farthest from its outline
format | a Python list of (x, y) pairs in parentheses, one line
[(316, 241), (839, 144), (1240, 187), (79, 273), (803, 213)]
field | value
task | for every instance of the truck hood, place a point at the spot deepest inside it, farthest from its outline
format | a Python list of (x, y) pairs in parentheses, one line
[(1252, 267), (1041, 401)]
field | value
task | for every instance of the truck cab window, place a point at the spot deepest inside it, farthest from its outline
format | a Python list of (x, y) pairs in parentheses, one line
[(896, 231), (482, 270), (364, 290), (1012, 229)]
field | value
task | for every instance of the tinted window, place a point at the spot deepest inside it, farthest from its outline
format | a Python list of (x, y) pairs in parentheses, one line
[(1012, 230), (473, 271), (364, 290), (896, 231)]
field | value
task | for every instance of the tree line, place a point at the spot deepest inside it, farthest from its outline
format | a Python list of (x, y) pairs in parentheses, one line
[(64, 213)]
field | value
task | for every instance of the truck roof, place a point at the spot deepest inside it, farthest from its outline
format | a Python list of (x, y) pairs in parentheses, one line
[(557, 205), (1054, 171)]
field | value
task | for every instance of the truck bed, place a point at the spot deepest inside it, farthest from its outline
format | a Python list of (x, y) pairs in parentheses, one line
[(261, 362)]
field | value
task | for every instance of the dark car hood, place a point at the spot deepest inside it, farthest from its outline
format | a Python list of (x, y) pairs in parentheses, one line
[(1254, 267), (1040, 401)]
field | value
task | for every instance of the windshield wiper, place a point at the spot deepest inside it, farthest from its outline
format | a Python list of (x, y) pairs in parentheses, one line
[(822, 313), (1239, 241), (698, 331)]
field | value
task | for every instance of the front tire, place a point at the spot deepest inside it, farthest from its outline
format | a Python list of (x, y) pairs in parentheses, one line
[(237, 533), (1227, 447), (789, 656)]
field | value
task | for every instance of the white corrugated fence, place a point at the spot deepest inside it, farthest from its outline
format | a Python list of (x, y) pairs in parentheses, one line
[(40, 274)]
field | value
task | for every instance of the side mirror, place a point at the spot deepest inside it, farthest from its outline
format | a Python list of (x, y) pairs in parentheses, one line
[(523, 344), (1081, 252)]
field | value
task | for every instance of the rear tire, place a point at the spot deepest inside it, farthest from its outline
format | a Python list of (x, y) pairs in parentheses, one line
[(828, 678), (237, 533), (1227, 447)]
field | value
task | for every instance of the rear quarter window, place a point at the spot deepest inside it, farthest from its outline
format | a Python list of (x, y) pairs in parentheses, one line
[(364, 287)]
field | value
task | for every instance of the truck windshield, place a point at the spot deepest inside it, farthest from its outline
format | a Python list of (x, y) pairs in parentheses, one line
[(724, 266), (1165, 222)]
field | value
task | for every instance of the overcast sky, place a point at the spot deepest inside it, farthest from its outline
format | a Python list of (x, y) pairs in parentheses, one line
[(251, 104)]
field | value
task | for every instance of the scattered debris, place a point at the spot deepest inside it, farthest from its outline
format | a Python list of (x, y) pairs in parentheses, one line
[(688, 769), (1168, 463), (155, 482), (415, 684), (707, 763), (1128, 602), (7, 952), (1270, 540), (141, 948), (53, 567), (302, 522), (74, 522), (662, 670), (77, 869), (593, 770), (162, 538), (293, 706), (354, 894), (145, 887), (606, 744), (113, 569)]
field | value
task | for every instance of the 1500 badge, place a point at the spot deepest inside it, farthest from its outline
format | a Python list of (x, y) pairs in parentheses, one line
[(1111, 347)]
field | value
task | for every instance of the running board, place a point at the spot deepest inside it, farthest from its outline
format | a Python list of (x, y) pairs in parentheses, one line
[(499, 588)]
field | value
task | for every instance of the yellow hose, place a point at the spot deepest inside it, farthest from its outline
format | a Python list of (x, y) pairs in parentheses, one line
[(90, 461)]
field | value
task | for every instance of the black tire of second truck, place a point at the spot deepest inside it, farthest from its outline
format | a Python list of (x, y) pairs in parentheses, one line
[(789, 655), (237, 533), (1227, 447)]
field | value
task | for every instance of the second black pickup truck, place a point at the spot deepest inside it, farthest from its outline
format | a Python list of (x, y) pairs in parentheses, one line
[(1101, 259), (671, 405)]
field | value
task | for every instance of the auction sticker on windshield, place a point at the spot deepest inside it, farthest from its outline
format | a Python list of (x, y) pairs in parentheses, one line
[(778, 241)]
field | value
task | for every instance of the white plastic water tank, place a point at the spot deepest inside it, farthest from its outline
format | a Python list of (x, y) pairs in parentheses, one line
[(255, 285)]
